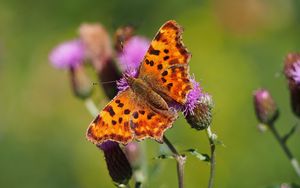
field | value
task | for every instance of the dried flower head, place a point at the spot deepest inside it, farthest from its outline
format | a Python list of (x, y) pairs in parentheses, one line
[(265, 107), (97, 44), (67, 54)]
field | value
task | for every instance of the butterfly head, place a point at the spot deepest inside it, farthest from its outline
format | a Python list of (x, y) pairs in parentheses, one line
[(129, 79)]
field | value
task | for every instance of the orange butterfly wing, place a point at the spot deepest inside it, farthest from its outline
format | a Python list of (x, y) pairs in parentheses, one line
[(113, 121), (127, 117), (165, 66)]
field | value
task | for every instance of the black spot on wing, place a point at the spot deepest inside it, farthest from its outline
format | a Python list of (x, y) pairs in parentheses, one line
[(96, 119), (110, 110), (169, 86), (135, 115), (159, 67), (127, 111), (150, 115), (165, 73), (120, 120), (152, 51)]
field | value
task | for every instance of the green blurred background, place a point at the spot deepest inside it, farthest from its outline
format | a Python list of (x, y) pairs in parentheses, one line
[(237, 46)]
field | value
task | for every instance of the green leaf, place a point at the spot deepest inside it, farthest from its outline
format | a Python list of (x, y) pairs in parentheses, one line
[(200, 156), (163, 156), (219, 142)]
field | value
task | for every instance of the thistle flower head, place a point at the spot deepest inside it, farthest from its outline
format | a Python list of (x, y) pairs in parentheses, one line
[(117, 164), (201, 116), (67, 54), (292, 73), (295, 72), (133, 53), (265, 107), (193, 98)]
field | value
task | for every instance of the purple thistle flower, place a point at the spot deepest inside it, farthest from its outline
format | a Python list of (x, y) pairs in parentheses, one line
[(295, 73), (133, 53), (67, 54), (291, 71), (193, 98)]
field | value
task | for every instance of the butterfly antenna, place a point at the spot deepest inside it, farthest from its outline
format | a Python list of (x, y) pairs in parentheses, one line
[(108, 82)]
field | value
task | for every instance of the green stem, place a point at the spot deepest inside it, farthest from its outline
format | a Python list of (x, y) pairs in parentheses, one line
[(91, 107), (180, 161), (286, 150), (211, 138)]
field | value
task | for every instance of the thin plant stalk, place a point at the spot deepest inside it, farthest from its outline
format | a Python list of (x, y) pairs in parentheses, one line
[(180, 161), (282, 142), (91, 107), (211, 139)]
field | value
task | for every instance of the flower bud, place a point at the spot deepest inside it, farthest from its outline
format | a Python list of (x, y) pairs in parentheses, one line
[(292, 73), (117, 164), (265, 107), (201, 116), (81, 84)]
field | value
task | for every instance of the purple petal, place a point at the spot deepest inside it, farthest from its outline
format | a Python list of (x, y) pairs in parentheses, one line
[(193, 97), (67, 54), (133, 53), (295, 73), (122, 83)]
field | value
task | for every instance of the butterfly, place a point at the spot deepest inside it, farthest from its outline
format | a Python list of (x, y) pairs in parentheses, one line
[(141, 111)]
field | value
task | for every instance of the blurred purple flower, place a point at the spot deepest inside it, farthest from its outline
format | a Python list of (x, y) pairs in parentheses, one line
[(133, 154), (265, 107), (133, 52), (67, 54), (295, 73), (192, 98)]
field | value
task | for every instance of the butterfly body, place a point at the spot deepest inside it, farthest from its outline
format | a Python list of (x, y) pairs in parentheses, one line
[(146, 93), (142, 111)]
